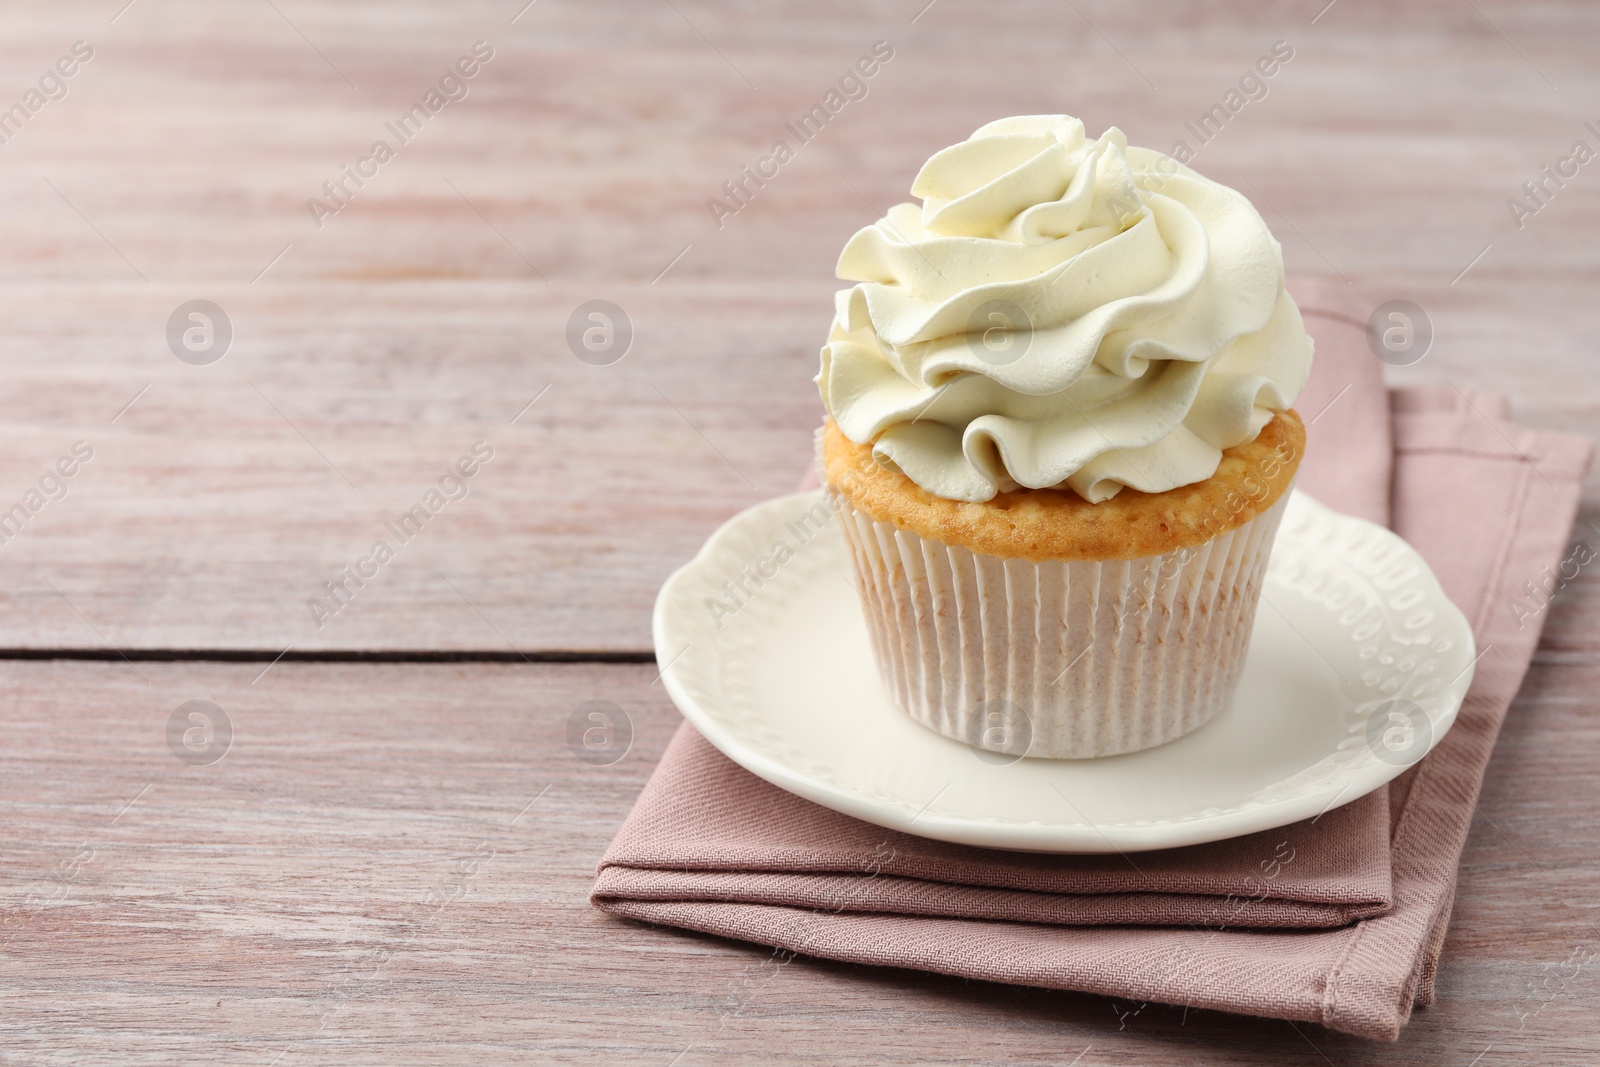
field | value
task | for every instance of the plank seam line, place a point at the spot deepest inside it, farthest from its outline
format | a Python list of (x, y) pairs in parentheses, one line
[(267, 655)]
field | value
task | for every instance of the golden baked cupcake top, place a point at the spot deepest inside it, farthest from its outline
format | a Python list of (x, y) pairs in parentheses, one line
[(1058, 524)]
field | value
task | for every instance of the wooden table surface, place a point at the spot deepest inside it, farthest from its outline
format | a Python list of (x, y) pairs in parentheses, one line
[(391, 862)]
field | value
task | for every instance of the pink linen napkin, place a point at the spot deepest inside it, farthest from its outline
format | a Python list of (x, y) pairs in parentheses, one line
[(1337, 920)]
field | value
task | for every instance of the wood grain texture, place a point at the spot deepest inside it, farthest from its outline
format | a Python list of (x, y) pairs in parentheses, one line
[(351, 883), (424, 315), (282, 905)]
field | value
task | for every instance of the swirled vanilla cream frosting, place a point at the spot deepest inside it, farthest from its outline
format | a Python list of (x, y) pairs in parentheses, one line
[(1061, 312)]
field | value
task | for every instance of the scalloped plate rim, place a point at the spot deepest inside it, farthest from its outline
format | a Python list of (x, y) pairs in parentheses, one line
[(1018, 834)]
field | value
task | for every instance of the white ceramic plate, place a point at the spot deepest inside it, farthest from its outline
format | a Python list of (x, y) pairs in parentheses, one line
[(1356, 669)]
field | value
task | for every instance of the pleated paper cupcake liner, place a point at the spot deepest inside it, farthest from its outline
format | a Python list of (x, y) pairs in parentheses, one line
[(1064, 660)]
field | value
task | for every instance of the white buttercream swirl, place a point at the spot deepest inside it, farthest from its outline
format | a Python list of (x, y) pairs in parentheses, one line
[(1061, 312)]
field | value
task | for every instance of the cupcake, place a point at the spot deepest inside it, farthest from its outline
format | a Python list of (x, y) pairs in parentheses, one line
[(1060, 438)]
